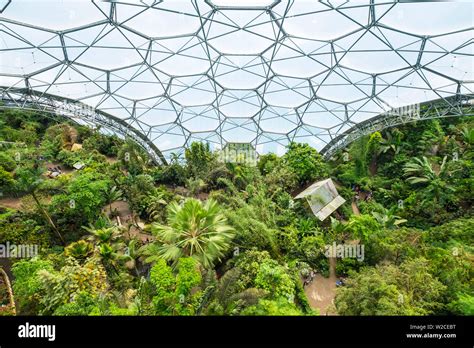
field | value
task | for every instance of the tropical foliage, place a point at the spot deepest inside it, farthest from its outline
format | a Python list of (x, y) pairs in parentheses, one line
[(194, 229), (122, 236)]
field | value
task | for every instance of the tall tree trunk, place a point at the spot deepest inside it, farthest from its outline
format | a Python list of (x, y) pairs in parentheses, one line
[(373, 166), (48, 218)]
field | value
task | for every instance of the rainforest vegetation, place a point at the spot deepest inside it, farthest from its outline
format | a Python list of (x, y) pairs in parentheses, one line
[(123, 236)]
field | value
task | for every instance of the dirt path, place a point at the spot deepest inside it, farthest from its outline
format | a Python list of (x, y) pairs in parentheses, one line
[(111, 160), (13, 203), (6, 264), (321, 292), (332, 267), (8, 301), (355, 208)]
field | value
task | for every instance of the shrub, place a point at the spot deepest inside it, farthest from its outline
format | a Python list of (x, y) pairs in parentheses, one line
[(249, 263), (251, 232), (362, 226), (60, 287), (390, 290), (27, 284), (176, 295), (7, 182), (305, 162), (199, 159), (281, 178), (267, 163), (83, 201), (105, 144), (276, 280), (7, 162)]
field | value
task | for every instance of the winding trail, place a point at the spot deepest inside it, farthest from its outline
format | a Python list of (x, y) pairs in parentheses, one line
[(355, 208), (322, 291), (11, 202)]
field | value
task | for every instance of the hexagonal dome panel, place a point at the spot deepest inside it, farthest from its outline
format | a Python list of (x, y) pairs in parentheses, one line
[(267, 72)]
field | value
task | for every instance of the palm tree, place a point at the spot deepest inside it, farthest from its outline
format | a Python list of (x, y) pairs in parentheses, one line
[(468, 135), (387, 218), (195, 229), (109, 255), (131, 255), (106, 238), (79, 250), (391, 143), (175, 157), (156, 204), (421, 171), (132, 157), (195, 185), (103, 235), (228, 296), (29, 181), (114, 194)]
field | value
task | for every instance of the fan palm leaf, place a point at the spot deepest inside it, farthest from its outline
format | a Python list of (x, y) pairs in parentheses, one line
[(194, 229)]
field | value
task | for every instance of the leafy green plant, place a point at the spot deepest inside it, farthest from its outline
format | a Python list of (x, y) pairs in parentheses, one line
[(275, 280), (29, 181), (176, 294), (79, 250), (229, 298), (389, 290), (199, 159), (388, 219), (27, 285), (112, 195), (435, 180), (7, 162), (194, 229), (362, 226), (6, 181), (156, 206), (59, 287), (305, 162)]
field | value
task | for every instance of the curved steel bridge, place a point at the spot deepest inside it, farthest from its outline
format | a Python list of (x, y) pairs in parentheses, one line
[(79, 113), (460, 105)]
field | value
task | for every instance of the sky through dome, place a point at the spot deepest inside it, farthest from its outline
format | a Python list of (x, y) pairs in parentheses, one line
[(263, 72)]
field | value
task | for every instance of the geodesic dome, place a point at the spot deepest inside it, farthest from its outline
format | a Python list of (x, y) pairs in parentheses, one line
[(261, 72)]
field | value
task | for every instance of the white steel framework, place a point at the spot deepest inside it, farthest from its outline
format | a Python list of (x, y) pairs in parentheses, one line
[(168, 73)]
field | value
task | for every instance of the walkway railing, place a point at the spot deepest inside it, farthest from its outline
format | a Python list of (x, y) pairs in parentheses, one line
[(458, 105), (78, 112)]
